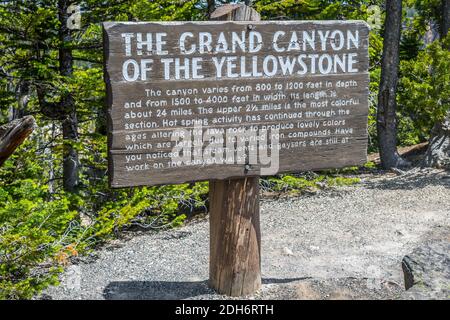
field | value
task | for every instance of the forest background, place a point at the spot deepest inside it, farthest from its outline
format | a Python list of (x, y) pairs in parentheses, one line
[(55, 203)]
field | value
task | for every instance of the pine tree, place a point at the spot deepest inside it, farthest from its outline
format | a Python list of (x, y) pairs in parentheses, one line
[(47, 64), (387, 103)]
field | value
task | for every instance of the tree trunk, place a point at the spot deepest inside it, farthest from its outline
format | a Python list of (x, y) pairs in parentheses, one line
[(211, 7), (23, 97), (445, 22), (438, 153), (70, 122), (386, 114), (13, 134)]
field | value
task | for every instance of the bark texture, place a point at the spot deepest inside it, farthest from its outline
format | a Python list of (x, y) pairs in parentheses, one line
[(211, 7), (70, 122), (13, 134), (386, 114)]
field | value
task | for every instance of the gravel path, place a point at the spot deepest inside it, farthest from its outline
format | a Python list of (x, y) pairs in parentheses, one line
[(345, 243)]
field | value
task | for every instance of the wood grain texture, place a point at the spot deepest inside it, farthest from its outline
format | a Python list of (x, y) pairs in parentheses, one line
[(215, 28), (126, 123), (235, 236)]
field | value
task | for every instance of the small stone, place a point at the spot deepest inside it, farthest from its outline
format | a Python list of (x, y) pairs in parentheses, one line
[(398, 171), (287, 251)]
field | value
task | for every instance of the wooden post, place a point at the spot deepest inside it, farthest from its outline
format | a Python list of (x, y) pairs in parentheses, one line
[(235, 238)]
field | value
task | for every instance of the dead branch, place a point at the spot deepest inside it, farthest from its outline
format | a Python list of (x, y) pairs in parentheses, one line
[(14, 134)]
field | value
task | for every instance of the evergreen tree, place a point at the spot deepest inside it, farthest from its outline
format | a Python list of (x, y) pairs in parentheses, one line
[(387, 103)]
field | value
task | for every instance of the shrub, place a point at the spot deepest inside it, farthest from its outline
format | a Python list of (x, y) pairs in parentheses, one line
[(424, 92)]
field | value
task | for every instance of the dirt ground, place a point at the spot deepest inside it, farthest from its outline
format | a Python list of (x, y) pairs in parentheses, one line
[(343, 243)]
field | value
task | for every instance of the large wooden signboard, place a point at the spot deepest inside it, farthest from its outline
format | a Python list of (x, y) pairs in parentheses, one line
[(305, 83)]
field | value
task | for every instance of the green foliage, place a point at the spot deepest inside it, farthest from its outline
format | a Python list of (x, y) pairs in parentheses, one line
[(427, 12), (409, 46), (42, 227), (308, 182), (375, 76), (312, 9), (424, 91), (168, 10), (32, 231), (287, 9), (40, 230)]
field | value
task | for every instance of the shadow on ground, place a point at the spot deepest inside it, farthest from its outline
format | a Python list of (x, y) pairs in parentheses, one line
[(165, 290), (412, 179)]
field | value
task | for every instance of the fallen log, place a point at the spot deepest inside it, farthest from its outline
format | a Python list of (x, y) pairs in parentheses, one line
[(13, 134)]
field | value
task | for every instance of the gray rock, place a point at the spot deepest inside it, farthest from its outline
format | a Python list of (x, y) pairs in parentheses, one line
[(427, 270), (438, 153)]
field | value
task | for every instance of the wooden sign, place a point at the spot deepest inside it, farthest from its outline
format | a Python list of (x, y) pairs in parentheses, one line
[(214, 100)]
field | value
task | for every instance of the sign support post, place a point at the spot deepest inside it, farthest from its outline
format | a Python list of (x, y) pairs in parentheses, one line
[(235, 238), (208, 100)]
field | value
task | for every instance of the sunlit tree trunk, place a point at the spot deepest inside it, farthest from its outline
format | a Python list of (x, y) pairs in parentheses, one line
[(70, 122), (386, 114)]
